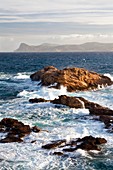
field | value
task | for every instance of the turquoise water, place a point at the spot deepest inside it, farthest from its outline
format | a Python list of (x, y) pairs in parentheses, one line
[(16, 89)]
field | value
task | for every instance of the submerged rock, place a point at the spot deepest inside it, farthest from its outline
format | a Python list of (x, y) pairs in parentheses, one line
[(75, 79)]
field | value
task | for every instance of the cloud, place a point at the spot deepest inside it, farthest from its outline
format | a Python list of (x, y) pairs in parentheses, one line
[(62, 21)]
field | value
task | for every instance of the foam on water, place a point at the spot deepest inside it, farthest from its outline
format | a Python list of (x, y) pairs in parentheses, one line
[(44, 92), (21, 76)]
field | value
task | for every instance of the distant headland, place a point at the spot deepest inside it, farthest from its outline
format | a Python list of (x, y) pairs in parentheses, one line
[(86, 47)]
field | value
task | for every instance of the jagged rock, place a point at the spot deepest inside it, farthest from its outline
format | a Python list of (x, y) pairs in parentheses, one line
[(37, 100), (54, 144), (86, 143), (75, 79), (90, 143), (108, 121), (58, 153), (15, 130), (80, 102), (11, 139), (68, 101), (36, 129)]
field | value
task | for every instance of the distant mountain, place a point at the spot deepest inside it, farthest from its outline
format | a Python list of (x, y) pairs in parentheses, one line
[(86, 47)]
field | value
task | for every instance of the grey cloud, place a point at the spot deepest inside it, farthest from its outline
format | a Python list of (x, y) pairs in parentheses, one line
[(45, 28)]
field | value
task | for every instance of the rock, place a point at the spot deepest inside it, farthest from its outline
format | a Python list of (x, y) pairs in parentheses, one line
[(36, 129), (90, 143), (96, 109), (79, 102), (54, 144), (108, 121), (37, 100), (11, 139), (73, 102), (86, 143), (58, 153), (75, 79), (15, 130)]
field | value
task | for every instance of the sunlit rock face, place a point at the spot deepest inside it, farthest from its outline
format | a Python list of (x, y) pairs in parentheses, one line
[(74, 79)]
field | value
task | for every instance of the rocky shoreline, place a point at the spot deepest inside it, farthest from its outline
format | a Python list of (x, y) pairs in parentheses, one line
[(74, 79)]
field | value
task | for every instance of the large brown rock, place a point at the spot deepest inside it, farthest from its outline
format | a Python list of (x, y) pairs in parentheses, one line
[(75, 79)]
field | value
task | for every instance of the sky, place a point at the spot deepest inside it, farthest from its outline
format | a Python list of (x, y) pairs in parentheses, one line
[(54, 21)]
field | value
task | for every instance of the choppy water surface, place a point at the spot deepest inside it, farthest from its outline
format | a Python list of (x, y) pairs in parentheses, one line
[(16, 89)]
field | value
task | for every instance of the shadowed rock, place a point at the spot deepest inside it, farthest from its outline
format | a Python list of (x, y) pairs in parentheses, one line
[(73, 102), (80, 102), (54, 144), (75, 79), (37, 100), (15, 130), (86, 143)]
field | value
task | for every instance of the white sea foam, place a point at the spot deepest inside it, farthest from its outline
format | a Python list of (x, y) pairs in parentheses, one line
[(44, 92), (21, 76)]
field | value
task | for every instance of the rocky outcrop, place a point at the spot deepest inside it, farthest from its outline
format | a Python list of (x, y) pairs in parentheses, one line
[(86, 143), (74, 79), (15, 130), (78, 102)]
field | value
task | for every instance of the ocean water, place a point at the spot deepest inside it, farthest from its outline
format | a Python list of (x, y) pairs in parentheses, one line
[(16, 89)]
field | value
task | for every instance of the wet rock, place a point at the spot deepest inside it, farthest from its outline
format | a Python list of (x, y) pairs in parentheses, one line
[(108, 121), (54, 144), (15, 130), (58, 153), (37, 100), (86, 143), (96, 109), (79, 102), (90, 143), (75, 79), (36, 129), (73, 102), (11, 139)]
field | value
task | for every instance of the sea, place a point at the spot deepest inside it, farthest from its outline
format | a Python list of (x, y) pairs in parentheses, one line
[(58, 122)]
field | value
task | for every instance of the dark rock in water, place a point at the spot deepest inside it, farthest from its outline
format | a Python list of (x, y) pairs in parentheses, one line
[(58, 153), (90, 143), (37, 100), (15, 130), (11, 139), (108, 121), (36, 129), (79, 102), (95, 108), (54, 144), (75, 79), (86, 143)]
